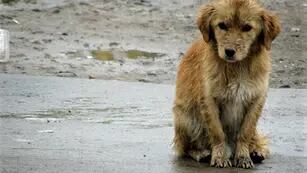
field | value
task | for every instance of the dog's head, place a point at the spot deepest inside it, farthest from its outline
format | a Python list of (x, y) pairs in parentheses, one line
[(237, 27)]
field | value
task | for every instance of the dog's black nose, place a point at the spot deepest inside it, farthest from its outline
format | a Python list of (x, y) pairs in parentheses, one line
[(230, 52)]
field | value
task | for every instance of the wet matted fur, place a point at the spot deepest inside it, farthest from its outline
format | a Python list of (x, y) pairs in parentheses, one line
[(222, 84)]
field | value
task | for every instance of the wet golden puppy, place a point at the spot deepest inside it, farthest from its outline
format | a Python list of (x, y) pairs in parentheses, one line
[(222, 84)]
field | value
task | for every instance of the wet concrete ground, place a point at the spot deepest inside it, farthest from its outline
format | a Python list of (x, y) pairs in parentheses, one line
[(50, 124)]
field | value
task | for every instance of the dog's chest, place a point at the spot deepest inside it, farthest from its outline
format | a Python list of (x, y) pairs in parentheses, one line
[(240, 88), (240, 91), (233, 100), (231, 116)]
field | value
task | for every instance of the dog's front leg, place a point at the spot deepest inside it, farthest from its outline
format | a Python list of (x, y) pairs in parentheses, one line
[(247, 132), (219, 155)]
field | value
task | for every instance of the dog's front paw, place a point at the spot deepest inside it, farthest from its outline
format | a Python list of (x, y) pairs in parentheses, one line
[(220, 156), (244, 162), (220, 162)]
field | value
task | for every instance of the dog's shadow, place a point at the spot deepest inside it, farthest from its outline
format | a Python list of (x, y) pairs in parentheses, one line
[(188, 165)]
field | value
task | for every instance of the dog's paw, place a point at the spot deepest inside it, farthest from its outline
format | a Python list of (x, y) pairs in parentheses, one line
[(244, 162), (219, 162), (257, 157), (203, 155)]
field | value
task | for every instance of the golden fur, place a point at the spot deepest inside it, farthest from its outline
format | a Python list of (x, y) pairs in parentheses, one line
[(219, 99)]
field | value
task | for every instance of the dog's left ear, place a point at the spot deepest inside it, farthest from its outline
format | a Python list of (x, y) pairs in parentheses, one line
[(271, 28), (203, 21)]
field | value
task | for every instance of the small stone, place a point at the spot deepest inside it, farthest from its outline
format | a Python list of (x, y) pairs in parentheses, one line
[(15, 21), (144, 80), (181, 54), (152, 74), (20, 55), (84, 3), (56, 11), (285, 86), (36, 42), (47, 40), (37, 32), (295, 29), (38, 48), (45, 131), (36, 10), (66, 74), (91, 77), (280, 71), (19, 67), (86, 45), (113, 44)]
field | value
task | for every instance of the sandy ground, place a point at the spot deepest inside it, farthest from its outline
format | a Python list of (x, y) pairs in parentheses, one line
[(56, 38), (51, 124)]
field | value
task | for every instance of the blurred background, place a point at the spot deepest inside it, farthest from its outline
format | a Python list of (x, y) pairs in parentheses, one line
[(130, 40)]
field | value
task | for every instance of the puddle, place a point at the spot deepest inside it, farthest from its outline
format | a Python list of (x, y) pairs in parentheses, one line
[(114, 54), (55, 113), (46, 120), (23, 140), (45, 131), (48, 114), (135, 54), (15, 1), (104, 55)]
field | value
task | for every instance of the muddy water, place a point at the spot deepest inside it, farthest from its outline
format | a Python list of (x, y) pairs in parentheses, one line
[(117, 54), (41, 3)]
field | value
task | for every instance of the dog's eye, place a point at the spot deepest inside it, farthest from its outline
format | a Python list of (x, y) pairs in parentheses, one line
[(222, 26), (246, 28)]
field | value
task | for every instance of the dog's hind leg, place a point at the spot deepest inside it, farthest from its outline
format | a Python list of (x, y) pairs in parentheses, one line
[(190, 137), (200, 155), (181, 138), (184, 147)]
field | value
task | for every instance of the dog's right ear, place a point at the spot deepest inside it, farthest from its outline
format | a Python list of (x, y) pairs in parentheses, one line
[(203, 21)]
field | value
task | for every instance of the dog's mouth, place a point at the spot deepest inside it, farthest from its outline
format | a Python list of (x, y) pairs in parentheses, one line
[(230, 59)]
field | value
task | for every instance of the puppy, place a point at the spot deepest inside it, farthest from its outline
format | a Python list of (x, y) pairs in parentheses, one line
[(222, 84)]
